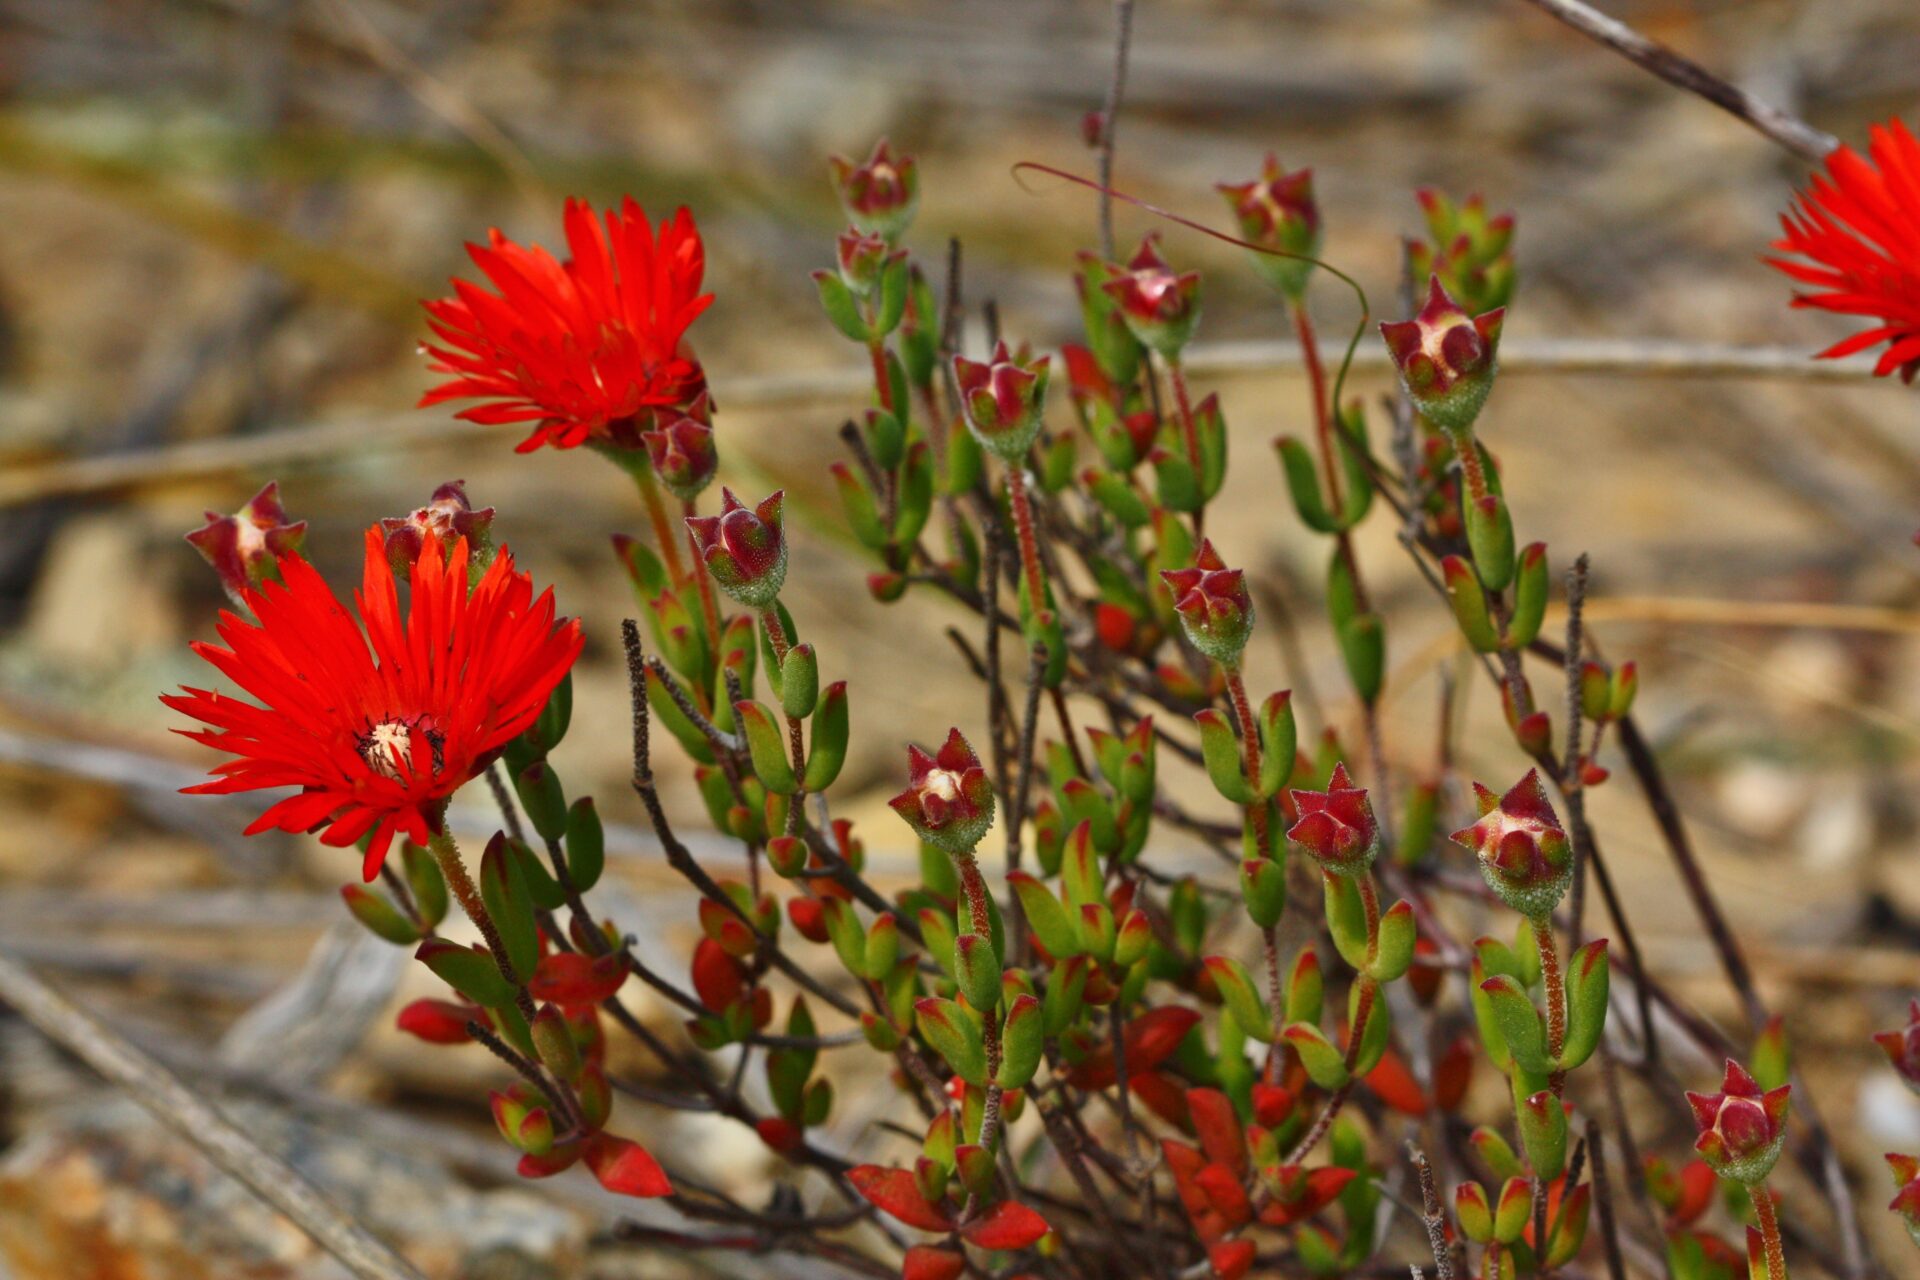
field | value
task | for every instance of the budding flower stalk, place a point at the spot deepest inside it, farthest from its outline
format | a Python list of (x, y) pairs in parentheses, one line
[(1742, 1130), (1523, 850), (447, 518), (1337, 827), (244, 548), (948, 801), (881, 194), (1214, 606), (1446, 359), (745, 549), (681, 450), (1277, 211)]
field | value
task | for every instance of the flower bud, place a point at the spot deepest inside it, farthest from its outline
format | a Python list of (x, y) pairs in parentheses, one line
[(948, 801), (683, 455), (1906, 1203), (1337, 826), (1277, 211), (1742, 1128), (745, 550), (1003, 399), (1160, 307), (1213, 604), (1470, 253), (1524, 852), (1445, 358), (244, 548), (861, 259), (1903, 1047), (447, 517), (880, 196)]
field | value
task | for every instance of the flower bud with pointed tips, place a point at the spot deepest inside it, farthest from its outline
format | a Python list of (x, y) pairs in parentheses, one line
[(1523, 850), (1160, 306), (447, 518), (1902, 1047), (1213, 604), (1742, 1128), (683, 455), (948, 801), (244, 548), (1003, 398), (1337, 826), (1277, 211), (745, 549), (1446, 358), (879, 195)]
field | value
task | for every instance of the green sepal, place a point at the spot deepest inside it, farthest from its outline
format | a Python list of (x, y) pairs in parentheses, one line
[(827, 747), (841, 307), (1306, 987), (1326, 1065), (1022, 1040), (955, 1036), (1347, 919), (425, 882), (380, 917), (1220, 750), (1303, 483), (586, 847), (1242, 998), (1490, 539), (1048, 920), (1393, 953), (1469, 601), (542, 796), (1519, 1023), (503, 887), (468, 970), (1529, 597), (1543, 1133), (766, 744), (1587, 981)]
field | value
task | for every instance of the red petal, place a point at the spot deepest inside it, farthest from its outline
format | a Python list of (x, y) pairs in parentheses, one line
[(1008, 1225), (894, 1192)]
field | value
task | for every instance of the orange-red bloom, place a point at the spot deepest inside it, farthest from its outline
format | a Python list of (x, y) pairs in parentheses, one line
[(377, 730), (578, 348), (1860, 226)]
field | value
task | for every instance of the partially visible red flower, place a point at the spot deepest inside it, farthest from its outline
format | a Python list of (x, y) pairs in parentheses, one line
[(578, 348), (376, 730), (1859, 224)]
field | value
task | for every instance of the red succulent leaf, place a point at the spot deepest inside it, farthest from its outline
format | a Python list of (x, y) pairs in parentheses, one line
[(1218, 1127), (930, 1262), (1231, 1259), (896, 1193), (440, 1021), (626, 1168), (570, 979), (1008, 1225), (1394, 1085)]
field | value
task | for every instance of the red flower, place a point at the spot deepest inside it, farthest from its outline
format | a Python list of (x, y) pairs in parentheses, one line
[(581, 347), (1337, 825), (1743, 1127), (1860, 226), (377, 730), (948, 801)]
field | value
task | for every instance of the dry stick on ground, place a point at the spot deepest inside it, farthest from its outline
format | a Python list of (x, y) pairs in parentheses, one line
[(180, 1109), (1782, 127)]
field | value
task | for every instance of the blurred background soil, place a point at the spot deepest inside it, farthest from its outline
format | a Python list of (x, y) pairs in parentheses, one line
[(219, 216)]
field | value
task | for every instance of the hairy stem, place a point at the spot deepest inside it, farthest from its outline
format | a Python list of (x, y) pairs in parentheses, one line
[(1556, 997), (1769, 1232)]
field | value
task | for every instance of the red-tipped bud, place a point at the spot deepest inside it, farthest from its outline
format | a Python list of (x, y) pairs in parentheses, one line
[(1277, 211), (1523, 850), (1160, 306), (1906, 1201), (1470, 253), (745, 549), (1742, 1128), (862, 258), (948, 801), (683, 455), (1003, 398), (1445, 358), (1215, 608), (447, 518), (1903, 1047), (880, 196), (1337, 826), (245, 547)]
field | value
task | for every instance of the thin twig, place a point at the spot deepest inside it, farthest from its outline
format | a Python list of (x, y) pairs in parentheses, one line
[(1782, 127), (1109, 118), (182, 1110)]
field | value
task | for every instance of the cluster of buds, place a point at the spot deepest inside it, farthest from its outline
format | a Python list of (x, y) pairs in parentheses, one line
[(244, 548), (948, 801), (1742, 1128), (1277, 213), (1470, 253), (879, 196), (1159, 305), (1004, 398), (1523, 850), (745, 549), (1213, 604), (681, 449), (1446, 358), (447, 518)]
